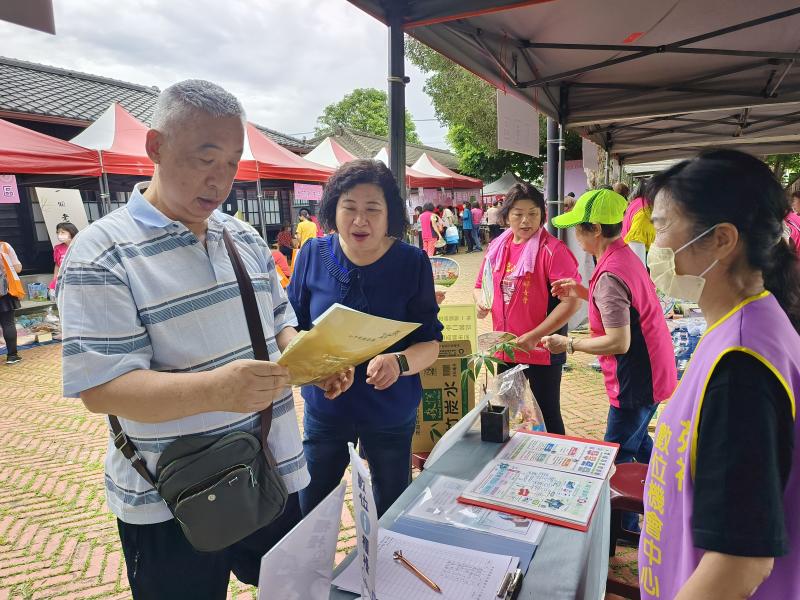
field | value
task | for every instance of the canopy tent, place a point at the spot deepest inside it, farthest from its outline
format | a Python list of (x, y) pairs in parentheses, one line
[(330, 153), (428, 165), (264, 159), (584, 62), (501, 186), (119, 139), (414, 178), (26, 151), (36, 14), (770, 129)]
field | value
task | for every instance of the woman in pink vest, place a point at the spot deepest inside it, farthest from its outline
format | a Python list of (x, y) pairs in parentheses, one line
[(629, 333), (519, 267), (793, 221), (722, 495), (428, 227)]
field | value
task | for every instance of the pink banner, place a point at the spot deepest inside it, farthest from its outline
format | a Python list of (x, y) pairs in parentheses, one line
[(9, 194), (305, 191)]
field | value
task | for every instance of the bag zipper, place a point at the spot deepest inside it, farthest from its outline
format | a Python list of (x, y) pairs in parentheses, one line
[(220, 475)]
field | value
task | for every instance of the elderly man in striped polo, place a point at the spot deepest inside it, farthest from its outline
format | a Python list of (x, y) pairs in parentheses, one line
[(154, 333)]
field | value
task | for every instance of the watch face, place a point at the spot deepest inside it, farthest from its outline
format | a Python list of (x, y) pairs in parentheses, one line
[(401, 360)]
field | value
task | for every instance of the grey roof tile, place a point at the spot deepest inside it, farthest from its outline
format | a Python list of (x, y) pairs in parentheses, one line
[(35, 89)]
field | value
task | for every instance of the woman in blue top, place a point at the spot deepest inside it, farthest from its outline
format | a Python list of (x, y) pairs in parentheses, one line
[(365, 266)]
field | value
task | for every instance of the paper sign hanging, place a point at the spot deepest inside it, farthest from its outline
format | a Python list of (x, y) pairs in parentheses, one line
[(308, 192), (9, 194), (517, 125), (590, 152), (366, 517), (308, 549), (61, 205)]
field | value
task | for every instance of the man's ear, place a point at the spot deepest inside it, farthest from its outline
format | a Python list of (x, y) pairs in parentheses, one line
[(153, 144)]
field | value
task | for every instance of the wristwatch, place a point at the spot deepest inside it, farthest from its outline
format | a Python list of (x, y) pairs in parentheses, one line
[(402, 362), (570, 345)]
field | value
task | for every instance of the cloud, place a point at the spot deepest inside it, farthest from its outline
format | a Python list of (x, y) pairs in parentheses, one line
[(285, 59)]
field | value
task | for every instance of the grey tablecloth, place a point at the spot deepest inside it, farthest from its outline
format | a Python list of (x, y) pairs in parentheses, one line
[(567, 565)]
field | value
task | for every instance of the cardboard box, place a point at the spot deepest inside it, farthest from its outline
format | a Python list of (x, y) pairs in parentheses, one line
[(444, 399)]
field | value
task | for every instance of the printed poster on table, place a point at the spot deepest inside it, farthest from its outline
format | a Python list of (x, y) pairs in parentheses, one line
[(309, 549), (556, 479), (460, 323), (366, 518)]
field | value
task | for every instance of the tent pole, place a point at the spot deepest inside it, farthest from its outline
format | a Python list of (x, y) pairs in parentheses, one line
[(562, 148), (397, 98), (552, 173), (261, 212)]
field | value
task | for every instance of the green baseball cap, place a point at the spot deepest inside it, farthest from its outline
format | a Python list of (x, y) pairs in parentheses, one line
[(604, 207)]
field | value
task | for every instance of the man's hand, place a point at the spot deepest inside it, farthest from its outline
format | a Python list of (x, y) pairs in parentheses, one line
[(383, 371), (247, 386), (555, 344), (337, 384)]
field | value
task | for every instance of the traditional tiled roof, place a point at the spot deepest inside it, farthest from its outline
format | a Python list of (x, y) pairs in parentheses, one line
[(367, 145), (35, 90)]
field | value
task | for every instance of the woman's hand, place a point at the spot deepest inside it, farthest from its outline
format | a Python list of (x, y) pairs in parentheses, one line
[(555, 344), (337, 384), (528, 341), (482, 310), (565, 288), (383, 371)]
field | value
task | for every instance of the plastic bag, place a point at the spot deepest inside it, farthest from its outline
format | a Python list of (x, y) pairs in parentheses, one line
[(511, 389)]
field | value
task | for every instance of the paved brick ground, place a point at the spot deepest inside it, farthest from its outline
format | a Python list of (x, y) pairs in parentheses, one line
[(57, 540)]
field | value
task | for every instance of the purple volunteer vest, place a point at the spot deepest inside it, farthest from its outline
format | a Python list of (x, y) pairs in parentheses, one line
[(667, 555)]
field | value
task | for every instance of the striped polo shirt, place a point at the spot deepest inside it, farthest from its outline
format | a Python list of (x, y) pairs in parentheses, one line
[(138, 291)]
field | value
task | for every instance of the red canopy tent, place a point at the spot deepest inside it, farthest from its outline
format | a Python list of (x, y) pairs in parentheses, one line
[(26, 151), (119, 138), (264, 159)]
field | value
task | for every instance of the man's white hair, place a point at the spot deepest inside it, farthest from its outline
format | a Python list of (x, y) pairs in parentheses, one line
[(180, 100)]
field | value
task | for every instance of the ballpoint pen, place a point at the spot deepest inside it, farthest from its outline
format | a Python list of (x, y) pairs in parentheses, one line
[(501, 593), (398, 556)]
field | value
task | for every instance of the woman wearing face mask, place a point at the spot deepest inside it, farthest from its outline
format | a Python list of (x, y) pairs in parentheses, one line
[(629, 333), (65, 232), (723, 488), (520, 266)]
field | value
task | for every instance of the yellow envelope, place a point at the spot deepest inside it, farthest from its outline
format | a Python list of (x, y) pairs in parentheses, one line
[(341, 337)]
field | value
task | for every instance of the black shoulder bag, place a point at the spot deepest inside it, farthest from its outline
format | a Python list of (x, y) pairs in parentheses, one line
[(219, 488)]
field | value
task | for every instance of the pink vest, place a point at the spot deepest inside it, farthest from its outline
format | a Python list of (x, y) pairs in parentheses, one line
[(793, 222), (634, 207), (646, 373), (667, 555), (530, 303)]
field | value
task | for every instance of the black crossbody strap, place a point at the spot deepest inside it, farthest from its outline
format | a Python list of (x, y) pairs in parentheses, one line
[(260, 352), (251, 313)]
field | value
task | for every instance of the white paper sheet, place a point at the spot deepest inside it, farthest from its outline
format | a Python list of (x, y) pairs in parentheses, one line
[(460, 573), (309, 548), (439, 504)]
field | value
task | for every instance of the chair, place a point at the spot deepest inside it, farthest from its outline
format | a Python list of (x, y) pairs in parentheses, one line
[(627, 495)]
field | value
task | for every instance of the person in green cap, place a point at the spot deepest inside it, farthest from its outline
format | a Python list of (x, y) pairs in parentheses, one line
[(629, 332)]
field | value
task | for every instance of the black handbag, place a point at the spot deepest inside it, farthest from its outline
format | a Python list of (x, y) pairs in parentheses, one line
[(220, 489)]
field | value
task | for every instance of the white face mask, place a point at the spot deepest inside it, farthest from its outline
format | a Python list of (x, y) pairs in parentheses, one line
[(64, 237), (661, 262)]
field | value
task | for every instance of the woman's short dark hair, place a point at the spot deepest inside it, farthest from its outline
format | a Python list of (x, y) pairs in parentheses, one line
[(727, 186), (354, 173), (607, 231), (68, 227), (427, 207), (522, 191)]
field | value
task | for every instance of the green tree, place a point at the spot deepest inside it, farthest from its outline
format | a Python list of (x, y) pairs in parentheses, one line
[(467, 106), (363, 109), (786, 167)]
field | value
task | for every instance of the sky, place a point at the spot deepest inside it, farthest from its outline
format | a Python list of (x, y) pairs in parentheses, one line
[(285, 59)]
